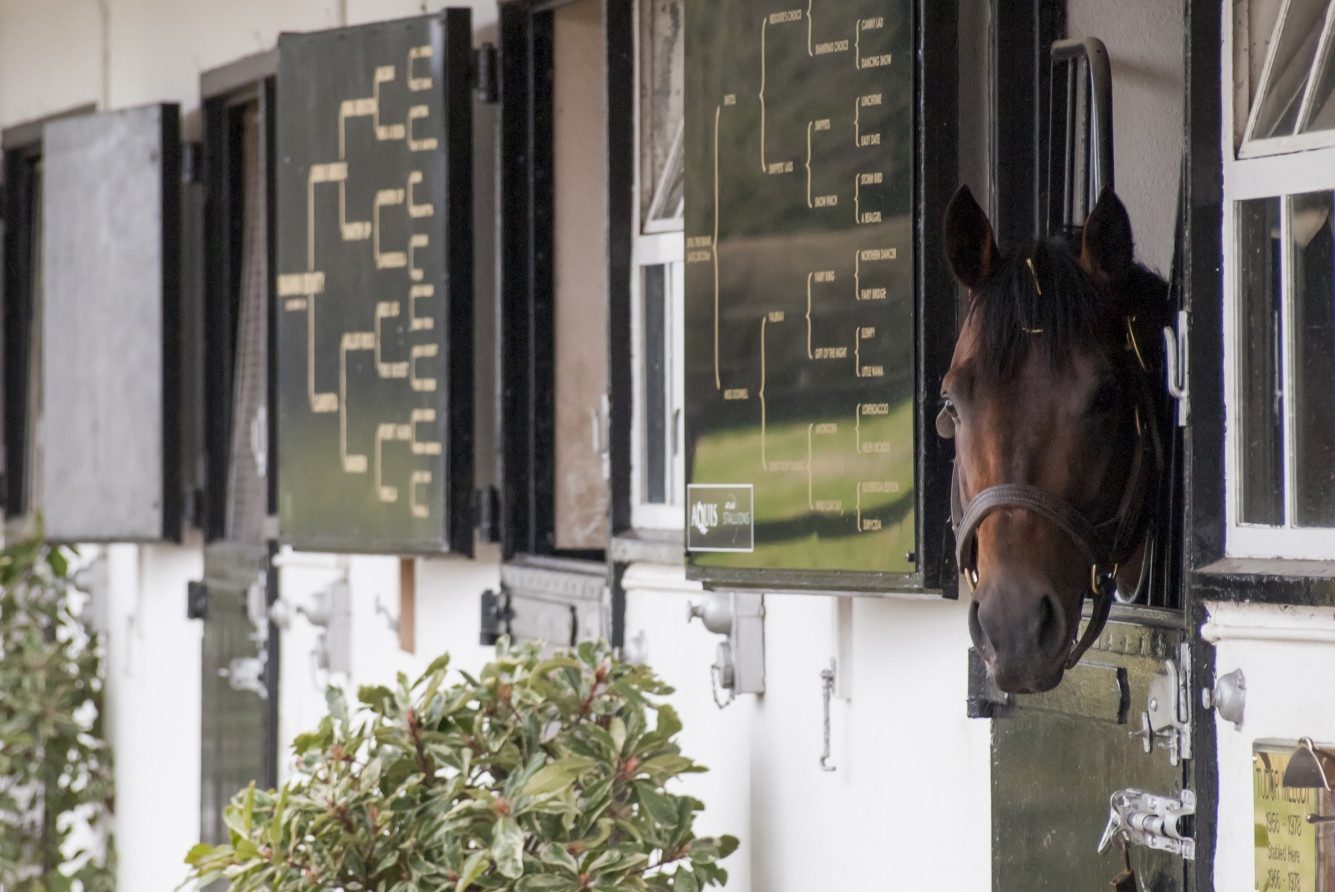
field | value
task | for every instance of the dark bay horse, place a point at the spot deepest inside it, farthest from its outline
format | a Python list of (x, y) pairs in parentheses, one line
[(1051, 401)]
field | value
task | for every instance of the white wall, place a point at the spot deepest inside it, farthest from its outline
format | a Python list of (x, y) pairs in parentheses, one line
[(1289, 696), (1144, 41), (911, 772)]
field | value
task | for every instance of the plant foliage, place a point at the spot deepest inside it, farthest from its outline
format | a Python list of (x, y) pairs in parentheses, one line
[(543, 774), (55, 771)]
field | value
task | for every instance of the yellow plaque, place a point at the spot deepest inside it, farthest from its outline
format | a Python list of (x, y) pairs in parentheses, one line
[(1292, 855)]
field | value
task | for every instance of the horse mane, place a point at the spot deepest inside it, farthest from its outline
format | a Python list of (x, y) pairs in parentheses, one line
[(1013, 317)]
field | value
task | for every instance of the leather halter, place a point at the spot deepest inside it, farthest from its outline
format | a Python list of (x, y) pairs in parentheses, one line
[(1105, 545)]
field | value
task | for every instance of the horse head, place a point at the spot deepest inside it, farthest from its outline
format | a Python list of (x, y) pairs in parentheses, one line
[(1050, 405)]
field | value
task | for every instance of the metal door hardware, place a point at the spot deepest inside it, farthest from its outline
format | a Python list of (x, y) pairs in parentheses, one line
[(739, 666), (1162, 823), (486, 82), (1229, 697), (1175, 366), (196, 600), (247, 674), (1166, 720), (330, 611), (827, 677)]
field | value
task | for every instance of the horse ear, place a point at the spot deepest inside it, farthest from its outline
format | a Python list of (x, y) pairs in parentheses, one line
[(970, 248), (1107, 247)]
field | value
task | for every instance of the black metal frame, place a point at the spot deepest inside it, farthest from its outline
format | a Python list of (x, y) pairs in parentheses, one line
[(526, 288), (225, 93), (21, 152), (1022, 37), (1203, 294)]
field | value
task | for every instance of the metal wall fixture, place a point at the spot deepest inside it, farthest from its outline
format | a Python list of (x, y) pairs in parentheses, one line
[(1175, 366), (330, 612), (739, 665), (1312, 768), (827, 677), (248, 673), (1228, 696)]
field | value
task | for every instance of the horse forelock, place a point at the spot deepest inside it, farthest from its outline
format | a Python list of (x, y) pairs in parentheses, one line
[(1040, 298)]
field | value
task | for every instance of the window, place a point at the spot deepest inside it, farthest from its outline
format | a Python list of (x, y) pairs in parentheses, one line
[(237, 372), (1284, 84), (1280, 281), (657, 282)]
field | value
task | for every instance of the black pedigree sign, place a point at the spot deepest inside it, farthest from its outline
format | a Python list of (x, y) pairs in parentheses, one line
[(799, 286), (374, 303)]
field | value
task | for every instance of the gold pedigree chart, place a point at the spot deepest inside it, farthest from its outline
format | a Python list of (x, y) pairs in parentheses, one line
[(822, 282), (302, 292)]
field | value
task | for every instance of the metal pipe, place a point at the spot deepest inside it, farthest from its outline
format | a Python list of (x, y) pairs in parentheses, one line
[(1095, 54)]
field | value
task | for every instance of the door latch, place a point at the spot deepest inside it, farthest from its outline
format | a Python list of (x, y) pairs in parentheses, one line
[(1166, 719), (1162, 823)]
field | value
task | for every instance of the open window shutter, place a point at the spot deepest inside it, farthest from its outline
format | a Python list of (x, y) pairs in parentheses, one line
[(247, 467), (110, 357), (374, 262)]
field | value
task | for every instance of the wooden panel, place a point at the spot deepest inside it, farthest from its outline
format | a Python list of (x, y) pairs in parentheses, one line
[(110, 361), (374, 279)]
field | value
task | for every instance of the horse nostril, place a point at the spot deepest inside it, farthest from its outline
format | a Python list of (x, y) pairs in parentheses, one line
[(1051, 626)]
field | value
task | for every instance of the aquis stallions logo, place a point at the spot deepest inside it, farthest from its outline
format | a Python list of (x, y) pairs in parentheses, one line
[(704, 516), (720, 517)]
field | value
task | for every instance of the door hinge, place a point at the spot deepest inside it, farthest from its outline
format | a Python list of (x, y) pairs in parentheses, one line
[(1166, 720), (486, 80), (1162, 823)]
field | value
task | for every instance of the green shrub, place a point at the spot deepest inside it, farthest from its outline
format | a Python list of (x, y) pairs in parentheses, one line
[(55, 773), (541, 775)]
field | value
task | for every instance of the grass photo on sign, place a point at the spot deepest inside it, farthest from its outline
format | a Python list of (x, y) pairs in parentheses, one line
[(542, 774)]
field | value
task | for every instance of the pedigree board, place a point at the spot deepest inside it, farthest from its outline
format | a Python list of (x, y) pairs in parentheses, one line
[(799, 287)]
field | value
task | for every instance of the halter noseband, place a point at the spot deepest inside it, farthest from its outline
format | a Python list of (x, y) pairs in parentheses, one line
[(1106, 545)]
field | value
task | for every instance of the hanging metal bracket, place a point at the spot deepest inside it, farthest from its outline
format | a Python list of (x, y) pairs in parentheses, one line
[(827, 677), (1175, 366)]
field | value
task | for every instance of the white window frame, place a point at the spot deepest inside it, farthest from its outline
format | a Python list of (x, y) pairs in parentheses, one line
[(652, 250), (1258, 176), (657, 241), (1248, 146)]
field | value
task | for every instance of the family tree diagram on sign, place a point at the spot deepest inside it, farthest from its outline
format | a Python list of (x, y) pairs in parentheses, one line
[(799, 285), (361, 271)]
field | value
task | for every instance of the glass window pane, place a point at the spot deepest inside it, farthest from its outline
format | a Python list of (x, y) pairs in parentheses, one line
[(654, 375), (1320, 111), (1293, 54), (662, 61), (1313, 283), (1260, 391)]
